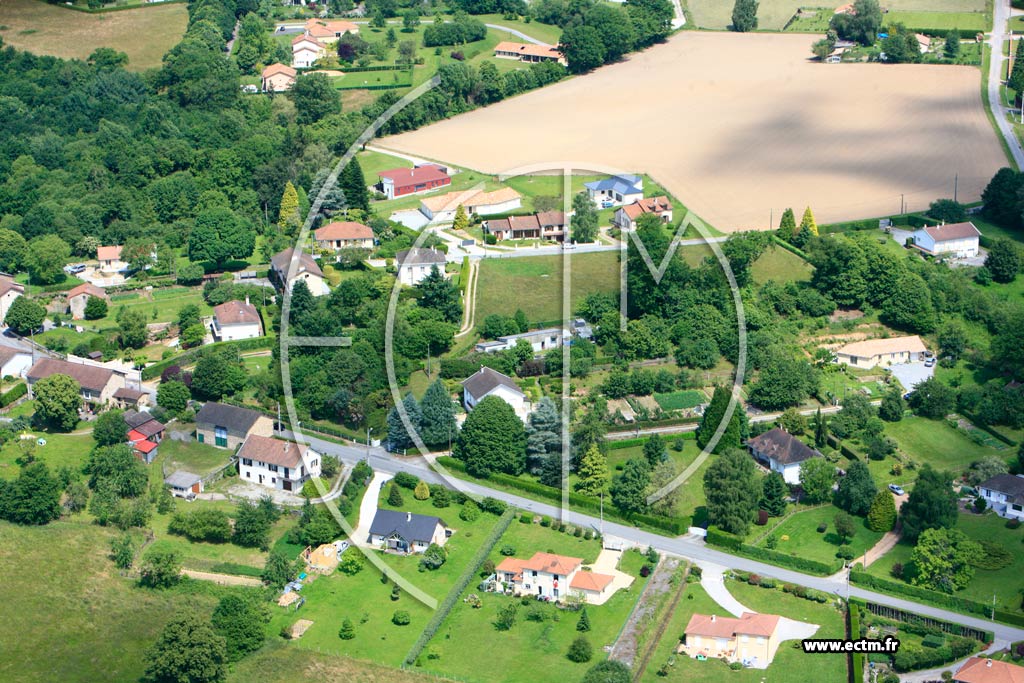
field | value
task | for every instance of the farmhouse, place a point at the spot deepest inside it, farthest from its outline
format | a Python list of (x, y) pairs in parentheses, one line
[(9, 291), (399, 182), (549, 225), (959, 239), (616, 190), (329, 30), (306, 50), (277, 78), (526, 52), (415, 264), (981, 670), (442, 208), (344, 235), (130, 398), (539, 340), (873, 352), (924, 43), (407, 533), (782, 453), (626, 216), (487, 382), (1004, 493), (14, 361), (98, 384), (184, 484), (79, 297), (276, 464), (110, 259), (227, 426), (753, 639), (236, 320), (306, 269), (554, 577)]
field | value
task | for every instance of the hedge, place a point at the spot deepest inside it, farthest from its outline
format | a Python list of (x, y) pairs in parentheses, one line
[(925, 595), (13, 394), (856, 658), (723, 539), (985, 428), (789, 247), (256, 343), (464, 275), (645, 424), (468, 574)]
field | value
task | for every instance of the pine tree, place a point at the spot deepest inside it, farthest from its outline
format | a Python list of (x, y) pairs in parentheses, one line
[(437, 424), (583, 625), (422, 491), (1016, 81), (353, 183), (347, 630), (773, 494), (398, 435), (808, 228), (820, 430), (882, 515), (593, 472), (787, 226), (461, 220), (395, 496), (734, 433), (288, 217)]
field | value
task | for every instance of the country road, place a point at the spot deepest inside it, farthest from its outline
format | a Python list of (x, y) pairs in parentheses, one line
[(1000, 18)]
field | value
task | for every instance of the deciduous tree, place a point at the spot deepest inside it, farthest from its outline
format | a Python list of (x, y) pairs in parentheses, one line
[(816, 478), (188, 649), (943, 559), (732, 491), (629, 489), (592, 472), (744, 16), (857, 489), (25, 316), (492, 439), (931, 505), (58, 398)]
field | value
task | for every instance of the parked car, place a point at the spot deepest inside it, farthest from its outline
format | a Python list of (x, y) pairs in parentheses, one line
[(898, 490), (930, 363)]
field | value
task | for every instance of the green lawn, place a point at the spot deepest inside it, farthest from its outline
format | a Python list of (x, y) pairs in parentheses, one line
[(280, 662), (781, 266), (373, 163), (805, 541), (680, 400), (68, 450), (535, 29), (193, 457), (991, 229), (536, 282), (967, 22), (772, 15), (936, 443)]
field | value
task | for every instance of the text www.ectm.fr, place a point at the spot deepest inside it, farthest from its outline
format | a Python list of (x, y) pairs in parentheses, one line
[(888, 645)]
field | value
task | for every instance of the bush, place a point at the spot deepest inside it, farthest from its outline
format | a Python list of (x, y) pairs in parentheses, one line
[(526, 518), (433, 558), (822, 528), (493, 506), (470, 511), (406, 480), (580, 651), (762, 517), (204, 524), (508, 550), (645, 570), (400, 618)]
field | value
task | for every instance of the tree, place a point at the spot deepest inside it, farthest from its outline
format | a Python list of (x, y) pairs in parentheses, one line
[(787, 224), (901, 45), (492, 439), (662, 475), (25, 316), (58, 398), (95, 308), (240, 622), (189, 650), (857, 489), (744, 16), (395, 496), (608, 671), (314, 98), (933, 399), (440, 294), (584, 219), (461, 220), (984, 469), (845, 527), (132, 330), (580, 650), (435, 555), (437, 426), (861, 24), (289, 217), (347, 630), (947, 210), (353, 183), (613, 24), (816, 478), (109, 428), (912, 310), (217, 375), (773, 494), (45, 259), (1003, 260), (592, 472), (277, 570), (1016, 80), (410, 19), (122, 551), (13, 249), (629, 489), (161, 568), (882, 515), (931, 505), (583, 48), (173, 396), (399, 436), (219, 235), (655, 451), (735, 430), (952, 340), (821, 49), (783, 382), (732, 491), (808, 228), (252, 526), (583, 623), (33, 498), (792, 421), (892, 406), (943, 559), (820, 430), (952, 46)]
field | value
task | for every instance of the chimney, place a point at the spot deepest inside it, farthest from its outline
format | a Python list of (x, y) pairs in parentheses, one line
[(408, 516), (712, 618)]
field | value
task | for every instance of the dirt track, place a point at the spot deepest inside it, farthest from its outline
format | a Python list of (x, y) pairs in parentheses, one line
[(739, 125)]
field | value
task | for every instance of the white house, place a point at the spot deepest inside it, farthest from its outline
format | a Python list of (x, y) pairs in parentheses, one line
[(110, 259), (782, 453), (9, 291), (616, 190), (236, 320), (873, 352), (554, 577), (487, 382), (957, 239), (14, 362), (984, 670), (1004, 493), (407, 533), (415, 264), (528, 52), (307, 269), (184, 484), (752, 640), (276, 464), (540, 340), (329, 30), (443, 207), (340, 235), (626, 216), (306, 50)]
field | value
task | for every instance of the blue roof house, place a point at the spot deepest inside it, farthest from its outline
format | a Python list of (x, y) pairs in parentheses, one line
[(616, 190)]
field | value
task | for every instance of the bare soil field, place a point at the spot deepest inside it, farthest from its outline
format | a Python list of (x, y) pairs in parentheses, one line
[(740, 126), (144, 34)]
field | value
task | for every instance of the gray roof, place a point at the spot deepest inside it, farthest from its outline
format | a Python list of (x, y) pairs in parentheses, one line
[(411, 528), (782, 447), (1012, 486), (486, 380), (281, 262), (228, 416), (182, 479), (420, 256), (9, 352), (89, 377), (623, 184)]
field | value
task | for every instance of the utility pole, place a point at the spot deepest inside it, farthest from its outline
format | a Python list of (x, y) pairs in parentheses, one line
[(368, 430), (279, 425)]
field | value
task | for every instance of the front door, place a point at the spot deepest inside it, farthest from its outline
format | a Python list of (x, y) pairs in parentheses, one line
[(286, 485), (261, 478)]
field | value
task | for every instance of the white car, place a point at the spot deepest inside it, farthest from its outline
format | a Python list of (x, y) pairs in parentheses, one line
[(898, 490)]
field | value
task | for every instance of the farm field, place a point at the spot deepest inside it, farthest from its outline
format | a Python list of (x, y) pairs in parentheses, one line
[(280, 662), (845, 155), (144, 34), (534, 284)]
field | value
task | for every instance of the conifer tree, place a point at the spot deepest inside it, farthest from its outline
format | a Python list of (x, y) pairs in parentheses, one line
[(288, 216), (593, 472), (395, 496), (882, 515), (461, 220), (583, 625), (787, 226), (437, 425)]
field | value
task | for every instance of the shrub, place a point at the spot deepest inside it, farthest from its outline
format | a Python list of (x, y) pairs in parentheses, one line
[(440, 497), (433, 558), (822, 528), (400, 618), (506, 617), (762, 517), (580, 651), (545, 521), (347, 630), (578, 532), (508, 550), (1013, 524), (771, 542), (645, 570), (351, 564), (493, 506), (525, 518), (470, 511), (897, 570), (396, 593), (406, 480), (992, 556)]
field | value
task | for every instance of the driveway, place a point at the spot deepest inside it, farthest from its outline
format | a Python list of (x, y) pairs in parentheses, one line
[(368, 508), (607, 562), (254, 492), (911, 374)]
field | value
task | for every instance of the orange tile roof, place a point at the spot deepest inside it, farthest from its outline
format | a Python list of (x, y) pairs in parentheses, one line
[(553, 564), (510, 565), (876, 347), (144, 446), (310, 39), (344, 230), (108, 253), (236, 313), (7, 284), (328, 28), (272, 451), (952, 231), (528, 49), (727, 627), (979, 670), (647, 205), (87, 288), (590, 581), (278, 68), (451, 200)]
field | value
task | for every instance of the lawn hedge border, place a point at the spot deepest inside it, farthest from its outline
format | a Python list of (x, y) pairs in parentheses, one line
[(735, 544), (856, 658), (13, 394), (256, 343), (468, 574)]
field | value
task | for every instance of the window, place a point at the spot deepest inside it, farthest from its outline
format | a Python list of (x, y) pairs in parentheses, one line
[(201, 437), (248, 475), (285, 472), (247, 462), (534, 574), (272, 468), (220, 436)]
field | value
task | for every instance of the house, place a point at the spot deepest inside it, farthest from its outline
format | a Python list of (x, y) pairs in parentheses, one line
[(616, 190), (540, 340), (276, 464), (487, 382), (79, 297), (846, 9), (306, 50), (407, 533), (415, 264), (14, 362), (184, 484), (142, 448), (982, 670), (873, 352), (753, 639), (836, 56), (782, 453), (399, 182), (526, 52), (553, 577), (329, 30), (552, 225), (344, 235), (549, 225), (145, 424), (97, 384), (9, 291), (110, 260), (130, 398), (277, 77), (924, 43), (1004, 493), (959, 239), (442, 208), (626, 216), (227, 426), (236, 320), (306, 269)]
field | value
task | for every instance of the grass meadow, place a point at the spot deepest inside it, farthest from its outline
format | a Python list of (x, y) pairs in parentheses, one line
[(805, 541)]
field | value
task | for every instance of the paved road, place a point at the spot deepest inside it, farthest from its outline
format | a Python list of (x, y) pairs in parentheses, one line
[(684, 546), (1000, 17)]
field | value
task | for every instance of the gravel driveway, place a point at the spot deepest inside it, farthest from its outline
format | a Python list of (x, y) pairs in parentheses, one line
[(911, 374)]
